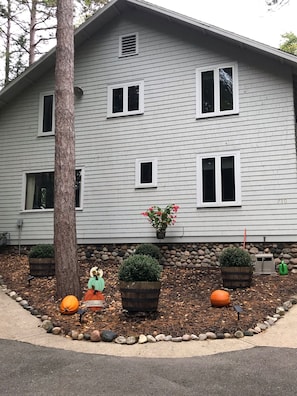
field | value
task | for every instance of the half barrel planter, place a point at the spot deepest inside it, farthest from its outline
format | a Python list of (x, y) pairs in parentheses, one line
[(140, 296), (237, 277), (40, 267)]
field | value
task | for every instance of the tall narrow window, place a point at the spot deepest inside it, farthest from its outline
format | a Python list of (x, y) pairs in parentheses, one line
[(218, 179), (125, 99), (46, 114), (217, 91), (145, 173)]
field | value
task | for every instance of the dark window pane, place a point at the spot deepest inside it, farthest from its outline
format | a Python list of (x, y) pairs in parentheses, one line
[(43, 190), (228, 179), (226, 89), (77, 188), (146, 172), (208, 180), (47, 125), (207, 92), (117, 100), (40, 190), (133, 98)]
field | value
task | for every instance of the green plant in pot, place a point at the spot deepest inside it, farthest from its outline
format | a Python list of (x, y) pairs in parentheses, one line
[(42, 260), (236, 268), (149, 250), (139, 283)]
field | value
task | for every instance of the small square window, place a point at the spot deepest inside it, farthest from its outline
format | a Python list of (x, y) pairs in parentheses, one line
[(46, 114), (125, 99), (146, 173)]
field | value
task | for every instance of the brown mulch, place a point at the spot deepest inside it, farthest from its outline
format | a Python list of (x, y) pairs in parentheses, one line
[(184, 305)]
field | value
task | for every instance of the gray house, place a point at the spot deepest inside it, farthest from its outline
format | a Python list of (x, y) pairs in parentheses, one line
[(167, 110)]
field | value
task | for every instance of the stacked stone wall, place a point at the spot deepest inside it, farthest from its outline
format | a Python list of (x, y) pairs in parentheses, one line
[(180, 255), (188, 254)]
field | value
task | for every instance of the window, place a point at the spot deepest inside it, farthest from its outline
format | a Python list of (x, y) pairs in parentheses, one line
[(46, 115), (125, 99), (217, 91), (39, 192), (219, 179), (128, 45), (146, 173)]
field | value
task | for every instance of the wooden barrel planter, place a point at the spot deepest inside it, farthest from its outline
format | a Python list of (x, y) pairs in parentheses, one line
[(237, 277), (140, 296), (40, 267)]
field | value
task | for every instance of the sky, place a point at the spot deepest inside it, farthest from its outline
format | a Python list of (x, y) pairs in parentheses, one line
[(249, 18)]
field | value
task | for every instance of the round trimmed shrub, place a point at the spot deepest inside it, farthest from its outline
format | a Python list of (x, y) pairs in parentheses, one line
[(235, 257), (42, 251), (149, 250), (140, 267)]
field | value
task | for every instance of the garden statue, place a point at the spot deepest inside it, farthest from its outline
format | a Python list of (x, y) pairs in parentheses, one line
[(94, 299)]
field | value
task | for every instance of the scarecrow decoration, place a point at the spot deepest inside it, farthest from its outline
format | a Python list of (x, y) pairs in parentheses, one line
[(93, 298)]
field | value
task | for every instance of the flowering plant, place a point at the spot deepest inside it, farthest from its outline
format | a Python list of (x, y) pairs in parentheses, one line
[(161, 218)]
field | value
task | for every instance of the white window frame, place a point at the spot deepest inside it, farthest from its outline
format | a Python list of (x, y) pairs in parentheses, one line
[(24, 190), (125, 87), (41, 111), (237, 177), (121, 55), (217, 112), (154, 182)]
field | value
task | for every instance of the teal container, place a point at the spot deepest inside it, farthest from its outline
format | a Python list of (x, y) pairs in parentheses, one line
[(283, 268)]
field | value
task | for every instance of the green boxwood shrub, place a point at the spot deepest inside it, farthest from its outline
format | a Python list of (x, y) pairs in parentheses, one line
[(140, 267), (42, 251), (235, 257), (149, 250)]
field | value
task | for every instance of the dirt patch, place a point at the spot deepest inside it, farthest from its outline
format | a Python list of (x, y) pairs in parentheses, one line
[(184, 306)]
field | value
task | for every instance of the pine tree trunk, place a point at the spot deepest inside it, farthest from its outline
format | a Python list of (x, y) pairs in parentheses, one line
[(67, 269)]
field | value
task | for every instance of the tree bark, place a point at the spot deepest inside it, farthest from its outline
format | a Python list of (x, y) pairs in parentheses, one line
[(67, 268)]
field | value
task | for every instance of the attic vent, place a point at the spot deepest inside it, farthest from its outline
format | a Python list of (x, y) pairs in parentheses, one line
[(128, 45)]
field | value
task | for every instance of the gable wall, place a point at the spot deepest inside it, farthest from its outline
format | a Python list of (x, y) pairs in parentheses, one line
[(168, 130)]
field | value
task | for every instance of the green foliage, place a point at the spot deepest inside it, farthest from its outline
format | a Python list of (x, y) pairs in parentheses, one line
[(235, 257), (42, 251), (289, 43), (140, 267), (149, 250)]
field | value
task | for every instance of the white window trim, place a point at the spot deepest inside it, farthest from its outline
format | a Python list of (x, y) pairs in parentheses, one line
[(121, 55), (217, 111), (154, 182), (125, 111), (24, 185), (237, 176), (40, 121)]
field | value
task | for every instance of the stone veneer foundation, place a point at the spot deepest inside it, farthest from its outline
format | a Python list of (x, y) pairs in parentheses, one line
[(188, 254)]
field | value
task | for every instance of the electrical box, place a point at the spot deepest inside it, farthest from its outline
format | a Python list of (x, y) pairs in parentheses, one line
[(264, 264)]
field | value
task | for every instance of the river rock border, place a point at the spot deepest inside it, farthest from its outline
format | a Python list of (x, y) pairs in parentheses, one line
[(111, 336)]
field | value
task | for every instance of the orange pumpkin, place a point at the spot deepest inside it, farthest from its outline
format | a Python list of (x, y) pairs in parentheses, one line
[(69, 305), (220, 298)]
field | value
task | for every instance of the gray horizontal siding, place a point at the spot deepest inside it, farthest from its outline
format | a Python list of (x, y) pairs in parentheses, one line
[(263, 132)]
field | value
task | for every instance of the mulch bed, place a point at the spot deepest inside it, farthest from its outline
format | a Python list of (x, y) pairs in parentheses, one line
[(184, 305)]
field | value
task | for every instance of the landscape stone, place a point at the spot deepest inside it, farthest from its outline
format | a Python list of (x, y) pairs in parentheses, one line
[(238, 334), (131, 340), (108, 335), (121, 340), (95, 336), (142, 339)]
